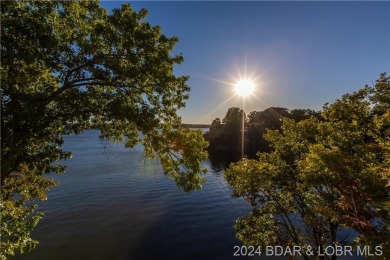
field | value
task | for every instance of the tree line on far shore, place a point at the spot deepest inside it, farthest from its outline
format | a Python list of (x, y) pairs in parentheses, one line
[(225, 135)]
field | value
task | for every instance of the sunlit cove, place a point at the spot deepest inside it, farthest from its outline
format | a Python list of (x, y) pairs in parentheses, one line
[(245, 87)]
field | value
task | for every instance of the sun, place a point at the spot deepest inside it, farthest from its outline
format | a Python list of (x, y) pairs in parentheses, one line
[(245, 87)]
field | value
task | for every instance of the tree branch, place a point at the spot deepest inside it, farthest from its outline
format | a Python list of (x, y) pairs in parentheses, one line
[(66, 84)]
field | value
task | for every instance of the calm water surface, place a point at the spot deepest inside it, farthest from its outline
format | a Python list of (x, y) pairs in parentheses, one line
[(111, 204)]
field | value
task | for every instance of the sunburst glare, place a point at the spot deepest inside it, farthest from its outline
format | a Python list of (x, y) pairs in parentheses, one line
[(245, 87), (243, 84)]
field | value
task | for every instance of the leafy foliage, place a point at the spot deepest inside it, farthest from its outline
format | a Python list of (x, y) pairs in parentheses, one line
[(68, 65), (323, 177), (259, 122)]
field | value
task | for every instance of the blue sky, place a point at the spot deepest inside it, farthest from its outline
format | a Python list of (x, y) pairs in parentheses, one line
[(302, 54)]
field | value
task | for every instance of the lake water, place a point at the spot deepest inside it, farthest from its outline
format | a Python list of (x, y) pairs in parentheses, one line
[(111, 204)]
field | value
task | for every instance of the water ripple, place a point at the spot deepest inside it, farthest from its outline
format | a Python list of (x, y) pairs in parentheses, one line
[(112, 205)]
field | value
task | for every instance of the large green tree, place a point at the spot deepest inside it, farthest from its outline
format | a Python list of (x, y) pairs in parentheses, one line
[(324, 176), (66, 64)]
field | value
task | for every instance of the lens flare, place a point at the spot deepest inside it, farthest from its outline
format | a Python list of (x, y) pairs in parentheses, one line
[(245, 87)]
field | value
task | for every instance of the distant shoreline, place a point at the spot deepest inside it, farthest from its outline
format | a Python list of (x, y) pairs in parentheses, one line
[(69, 126), (195, 125)]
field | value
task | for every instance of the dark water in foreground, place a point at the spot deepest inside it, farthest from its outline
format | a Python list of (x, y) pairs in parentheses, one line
[(111, 204)]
